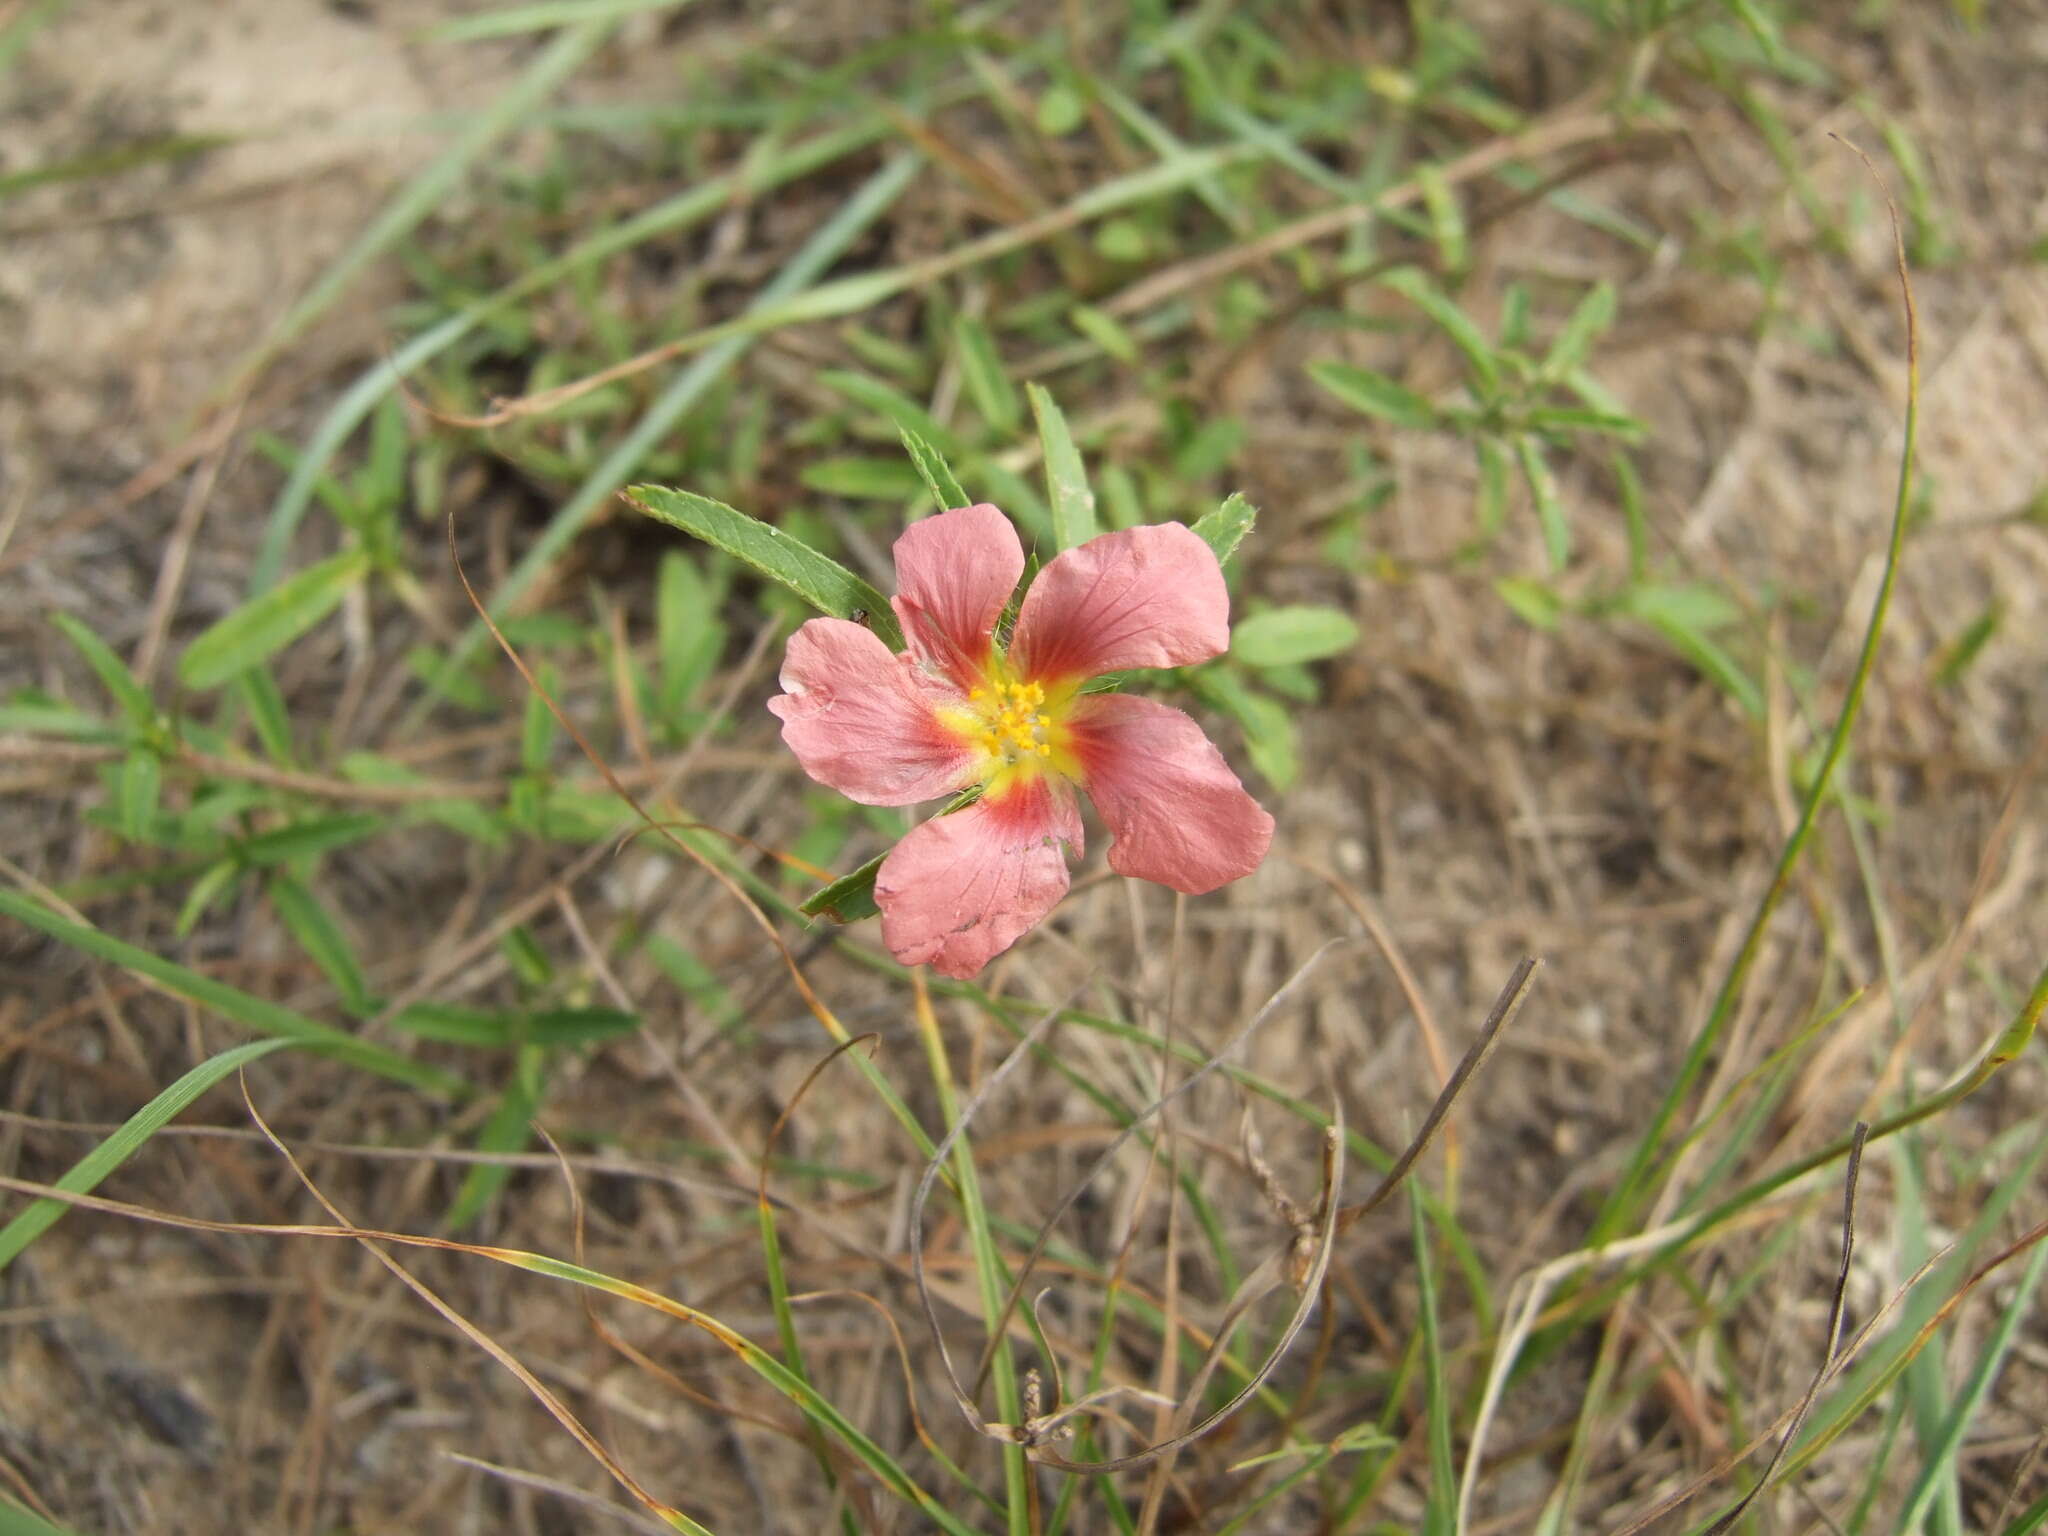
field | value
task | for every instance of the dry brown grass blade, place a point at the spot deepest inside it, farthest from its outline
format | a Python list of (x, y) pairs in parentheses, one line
[(1115, 1143), (1271, 1273), (1834, 1336), (1040, 1428), (1505, 1007), (558, 1410), (568, 1493)]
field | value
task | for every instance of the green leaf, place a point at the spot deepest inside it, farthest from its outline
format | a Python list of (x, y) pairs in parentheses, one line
[(266, 624), (141, 780), (1956, 656), (861, 478), (111, 670), (1493, 486), (819, 580), (891, 404), (579, 1026), (253, 1013), (1415, 285), (453, 1024), (264, 701), (304, 839), (1588, 322), (1375, 394), (1224, 529), (14, 1520), (1282, 637), (1066, 478), (1061, 110), (1105, 331), (1446, 218), (981, 370), (1269, 733), (1532, 601), (1684, 615), (849, 898), (320, 936), (689, 636), (206, 890), (933, 469), (1557, 536), (86, 1174), (508, 1129)]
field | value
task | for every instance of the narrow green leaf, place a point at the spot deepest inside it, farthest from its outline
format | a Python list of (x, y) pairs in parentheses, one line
[(689, 635), (579, 1026), (320, 936), (849, 898), (1532, 601), (508, 1129), (1224, 529), (1375, 394), (861, 477), (933, 469), (266, 624), (819, 580), (1066, 478), (1588, 322), (206, 890), (268, 716), (1269, 731), (1286, 636), (891, 404), (111, 670), (1416, 286), (86, 1174), (1105, 331), (453, 1024), (1493, 486), (1955, 657), (982, 371), (250, 1012), (1557, 535), (1446, 218), (141, 780), (304, 839)]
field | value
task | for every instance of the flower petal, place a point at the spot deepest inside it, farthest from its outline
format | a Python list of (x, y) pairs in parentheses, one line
[(954, 574), (864, 721), (1177, 813), (1145, 597), (961, 889)]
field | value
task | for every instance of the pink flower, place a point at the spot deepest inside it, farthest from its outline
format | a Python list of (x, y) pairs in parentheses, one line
[(958, 710)]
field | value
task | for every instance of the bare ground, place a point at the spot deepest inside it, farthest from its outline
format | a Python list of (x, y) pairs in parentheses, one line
[(1487, 790)]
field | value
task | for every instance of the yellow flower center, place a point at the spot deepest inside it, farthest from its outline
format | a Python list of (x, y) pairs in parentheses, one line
[(1011, 723)]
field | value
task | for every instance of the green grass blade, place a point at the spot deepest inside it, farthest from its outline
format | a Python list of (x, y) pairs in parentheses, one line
[(818, 579), (1066, 478), (85, 1175), (543, 16), (1627, 1194), (1938, 1477), (253, 1013), (377, 383), (272, 620), (813, 258), (1440, 1511)]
